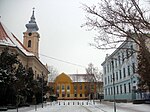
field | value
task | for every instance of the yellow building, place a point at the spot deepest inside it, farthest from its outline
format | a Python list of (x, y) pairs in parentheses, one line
[(29, 50), (74, 86)]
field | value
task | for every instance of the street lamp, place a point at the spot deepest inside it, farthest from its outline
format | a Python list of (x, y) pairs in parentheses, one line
[(132, 76), (114, 86), (114, 94), (42, 89)]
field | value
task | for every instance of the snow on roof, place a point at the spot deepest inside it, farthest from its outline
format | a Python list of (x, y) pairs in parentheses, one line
[(81, 77), (8, 39)]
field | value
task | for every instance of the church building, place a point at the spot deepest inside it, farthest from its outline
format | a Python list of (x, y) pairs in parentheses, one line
[(28, 50)]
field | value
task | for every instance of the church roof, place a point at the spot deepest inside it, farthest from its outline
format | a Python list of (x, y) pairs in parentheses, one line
[(32, 26), (9, 39)]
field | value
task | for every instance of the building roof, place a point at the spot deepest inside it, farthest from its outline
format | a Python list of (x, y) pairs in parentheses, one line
[(9, 39), (79, 78), (32, 26), (115, 51), (82, 77)]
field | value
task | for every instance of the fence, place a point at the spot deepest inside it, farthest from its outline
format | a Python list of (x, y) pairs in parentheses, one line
[(72, 102)]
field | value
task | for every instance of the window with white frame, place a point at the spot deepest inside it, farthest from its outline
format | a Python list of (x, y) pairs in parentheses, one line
[(125, 90), (120, 74), (120, 89), (63, 87), (68, 87), (124, 72), (128, 70)]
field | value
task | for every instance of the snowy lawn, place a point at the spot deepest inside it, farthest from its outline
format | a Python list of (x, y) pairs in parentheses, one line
[(86, 106)]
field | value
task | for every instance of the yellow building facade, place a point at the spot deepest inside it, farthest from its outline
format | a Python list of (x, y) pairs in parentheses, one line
[(73, 87)]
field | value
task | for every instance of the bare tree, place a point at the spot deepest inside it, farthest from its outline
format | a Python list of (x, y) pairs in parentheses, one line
[(53, 73), (117, 21), (93, 77)]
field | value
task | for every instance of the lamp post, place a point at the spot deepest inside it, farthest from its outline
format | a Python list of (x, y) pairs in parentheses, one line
[(114, 86), (132, 87), (42, 89), (114, 94)]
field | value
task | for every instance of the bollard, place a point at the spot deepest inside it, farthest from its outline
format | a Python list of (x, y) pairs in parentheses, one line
[(64, 103), (59, 103), (35, 107)]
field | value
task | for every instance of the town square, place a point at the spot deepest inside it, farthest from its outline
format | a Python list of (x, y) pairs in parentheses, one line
[(75, 55)]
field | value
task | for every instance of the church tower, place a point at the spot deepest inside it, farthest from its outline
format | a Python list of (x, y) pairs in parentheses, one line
[(31, 36)]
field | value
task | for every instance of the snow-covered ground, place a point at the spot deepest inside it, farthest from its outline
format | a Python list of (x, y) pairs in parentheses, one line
[(87, 106), (124, 107)]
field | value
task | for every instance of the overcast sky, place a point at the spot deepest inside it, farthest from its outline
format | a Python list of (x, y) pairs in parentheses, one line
[(61, 36)]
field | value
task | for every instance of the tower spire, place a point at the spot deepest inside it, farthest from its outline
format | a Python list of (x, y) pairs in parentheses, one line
[(32, 26), (32, 17), (31, 36)]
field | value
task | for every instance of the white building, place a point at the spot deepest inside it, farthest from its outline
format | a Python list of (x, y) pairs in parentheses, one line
[(119, 73)]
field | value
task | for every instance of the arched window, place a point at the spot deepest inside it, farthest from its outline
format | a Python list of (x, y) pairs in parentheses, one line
[(29, 43)]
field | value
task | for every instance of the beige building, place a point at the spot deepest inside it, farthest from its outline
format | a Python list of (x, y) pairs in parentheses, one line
[(29, 50)]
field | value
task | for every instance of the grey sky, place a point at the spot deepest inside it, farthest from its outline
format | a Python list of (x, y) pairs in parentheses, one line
[(59, 24)]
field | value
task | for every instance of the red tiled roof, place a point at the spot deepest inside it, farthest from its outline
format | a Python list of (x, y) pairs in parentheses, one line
[(3, 34), (20, 43)]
